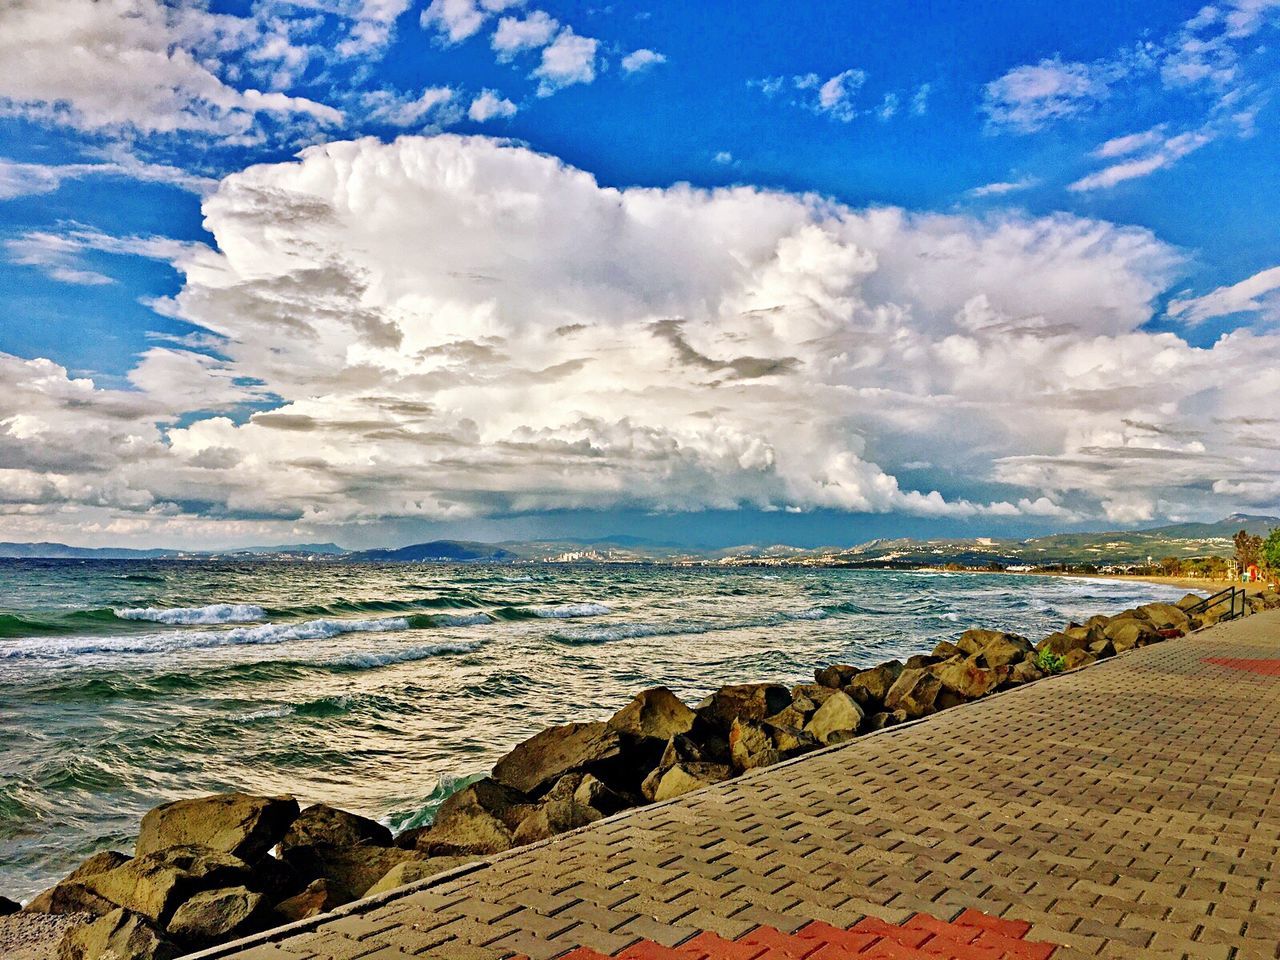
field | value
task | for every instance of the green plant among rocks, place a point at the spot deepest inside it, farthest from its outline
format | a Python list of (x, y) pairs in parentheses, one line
[(1050, 662)]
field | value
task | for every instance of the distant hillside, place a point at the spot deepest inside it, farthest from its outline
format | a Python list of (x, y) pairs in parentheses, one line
[(437, 550), (60, 551)]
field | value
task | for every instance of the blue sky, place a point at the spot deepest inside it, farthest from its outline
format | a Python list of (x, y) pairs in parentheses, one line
[(964, 267)]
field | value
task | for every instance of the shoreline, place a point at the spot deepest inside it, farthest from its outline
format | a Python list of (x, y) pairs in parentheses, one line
[(246, 863), (1188, 583)]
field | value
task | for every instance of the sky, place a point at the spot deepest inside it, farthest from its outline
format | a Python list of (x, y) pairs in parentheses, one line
[(374, 271)]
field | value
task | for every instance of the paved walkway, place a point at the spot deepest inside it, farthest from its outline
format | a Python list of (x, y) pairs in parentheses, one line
[(1130, 809)]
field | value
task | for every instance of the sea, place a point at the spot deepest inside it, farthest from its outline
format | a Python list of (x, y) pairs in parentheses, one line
[(380, 688)]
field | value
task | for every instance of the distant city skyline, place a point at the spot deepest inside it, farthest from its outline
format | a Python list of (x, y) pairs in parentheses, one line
[(378, 271)]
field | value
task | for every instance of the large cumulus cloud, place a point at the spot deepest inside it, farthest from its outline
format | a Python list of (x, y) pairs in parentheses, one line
[(450, 327)]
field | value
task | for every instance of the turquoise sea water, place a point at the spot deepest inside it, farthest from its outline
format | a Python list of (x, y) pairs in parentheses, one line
[(375, 687)]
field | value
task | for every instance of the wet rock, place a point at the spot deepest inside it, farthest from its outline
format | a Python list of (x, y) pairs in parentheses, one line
[(750, 701), (324, 824), (240, 824), (656, 713), (684, 777), (155, 884), (915, 692), (479, 819), (213, 916), (836, 676), (539, 761), (119, 935), (838, 717), (869, 687), (319, 896)]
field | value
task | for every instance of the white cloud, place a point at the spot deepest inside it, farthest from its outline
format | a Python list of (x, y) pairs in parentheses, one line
[(724, 158), (514, 35), (1166, 154), (457, 20), (835, 96), (58, 255), (888, 107), (920, 100), (1257, 293), (28, 179), (140, 65), (490, 104), (434, 105), (457, 327), (642, 59), (1028, 97), (568, 60), (1131, 143), (372, 26), (1003, 187)]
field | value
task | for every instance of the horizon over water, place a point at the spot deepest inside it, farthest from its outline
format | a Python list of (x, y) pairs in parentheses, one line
[(377, 687)]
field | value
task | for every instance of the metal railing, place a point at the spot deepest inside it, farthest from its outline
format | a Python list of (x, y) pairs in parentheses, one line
[(1235, 596)]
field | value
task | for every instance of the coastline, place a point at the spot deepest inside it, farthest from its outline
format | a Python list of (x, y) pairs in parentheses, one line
[(212, 869), (1187, 583)]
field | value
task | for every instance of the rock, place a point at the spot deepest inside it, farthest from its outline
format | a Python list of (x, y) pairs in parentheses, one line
[(545, 757), (796, 715), (1271, 599), (1004, 649), (1125, 633), (212, 916), (750, 745), (886, 718), (920, 661), (816, 693), (8, 906), (411, 871), (791, 741), (839, 715), (1024, 672), (945, 649), (554, 815), (324, 824), (1189, 601), (155, 884), (1077, 658), (914, 692), (1102, 649), (836, 676), (70, 895), (240, 824), (684, 777), (597, 795), (1061, 643), (1165, 616), (656, 713), (120, 935), (964, 678), (750, 701), (972, 642), (320, 896), (350, 870), (871, 686), (479, 819), (1090, 633), (485, 795)]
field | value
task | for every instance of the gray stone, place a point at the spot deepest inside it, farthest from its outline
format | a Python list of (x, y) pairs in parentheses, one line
[(324, 824), (240, 824), (119, 935), (212, 916), (539, 761)]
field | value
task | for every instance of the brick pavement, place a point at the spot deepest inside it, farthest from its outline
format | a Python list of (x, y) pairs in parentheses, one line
[(1130, 809)]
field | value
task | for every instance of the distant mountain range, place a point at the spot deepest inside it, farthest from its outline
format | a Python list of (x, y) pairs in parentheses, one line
[(1180, 540)]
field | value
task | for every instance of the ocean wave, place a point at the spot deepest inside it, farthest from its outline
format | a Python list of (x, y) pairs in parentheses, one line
[(571, 610), (370, 661), (209, 615), (160, 643), (460, 619)]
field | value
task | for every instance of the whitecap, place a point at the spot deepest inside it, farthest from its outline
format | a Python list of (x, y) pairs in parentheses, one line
[(370, 661), (460, 619), (573, 610), (212, 614)]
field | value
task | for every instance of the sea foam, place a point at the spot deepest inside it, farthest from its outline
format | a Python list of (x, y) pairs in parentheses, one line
[(570, 610), (214, 613)]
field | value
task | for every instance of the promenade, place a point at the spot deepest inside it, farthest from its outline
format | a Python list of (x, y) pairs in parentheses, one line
[(1130, 809)]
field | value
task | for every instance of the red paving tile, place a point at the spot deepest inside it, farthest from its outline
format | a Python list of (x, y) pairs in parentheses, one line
[(1267, 668)]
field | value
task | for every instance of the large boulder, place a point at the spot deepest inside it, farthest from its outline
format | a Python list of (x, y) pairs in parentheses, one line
[(814, 693), (964, 679), (544, 758), (1024, 672), (70, 895), (212, 916), (1078, 658), (750, 745), (750, 701), (684, 777), (1003, 649), (1188, 601), (1165, 616), (915, 692), (886, 718), (656, 713), (240, 824), (1062, 643), (324, 824), (836, 676), (155, 884), (836, 720), (119, 935), (554, 815), (349, 870), (1125, 633), (869, 687)]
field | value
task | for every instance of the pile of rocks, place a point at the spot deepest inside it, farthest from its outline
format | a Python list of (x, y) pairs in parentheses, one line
[(215, 868)]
